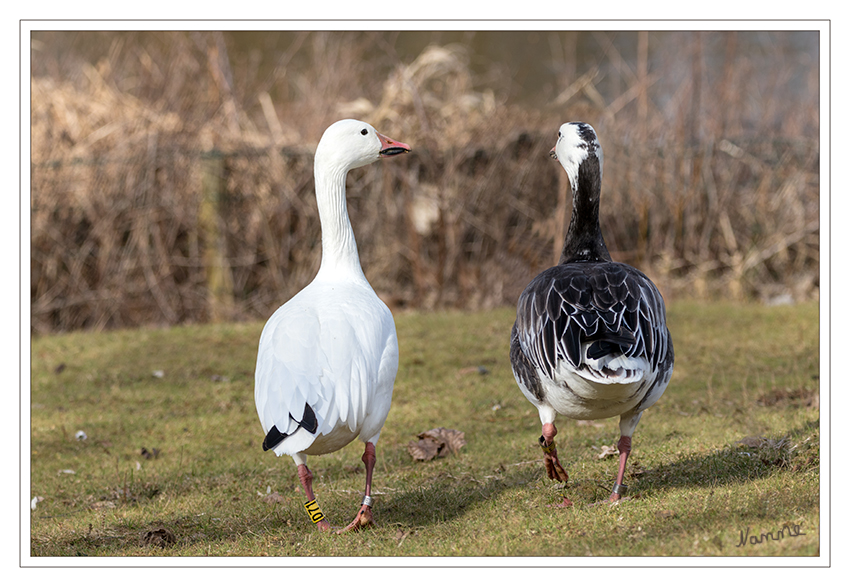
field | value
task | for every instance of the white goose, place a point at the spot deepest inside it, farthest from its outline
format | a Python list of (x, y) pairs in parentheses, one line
[(590, 339), (328, 357)]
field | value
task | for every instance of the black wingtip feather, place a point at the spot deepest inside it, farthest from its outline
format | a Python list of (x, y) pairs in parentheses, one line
[(273, 438), (308, 422)]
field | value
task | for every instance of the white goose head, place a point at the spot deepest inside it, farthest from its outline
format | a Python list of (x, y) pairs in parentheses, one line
[(345, 145), (349, 144), (576, 142)]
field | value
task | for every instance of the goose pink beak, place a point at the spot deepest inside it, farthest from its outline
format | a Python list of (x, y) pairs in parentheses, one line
[(390, 147)]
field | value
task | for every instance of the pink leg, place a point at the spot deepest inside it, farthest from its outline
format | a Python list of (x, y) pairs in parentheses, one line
[(306, 478), (625, 447), (550, 459), (364, 515)]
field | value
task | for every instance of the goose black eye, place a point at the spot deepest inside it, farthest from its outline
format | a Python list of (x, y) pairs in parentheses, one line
[(364, 132)]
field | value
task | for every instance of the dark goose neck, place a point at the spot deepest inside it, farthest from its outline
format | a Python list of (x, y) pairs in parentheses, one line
[(584, 242)]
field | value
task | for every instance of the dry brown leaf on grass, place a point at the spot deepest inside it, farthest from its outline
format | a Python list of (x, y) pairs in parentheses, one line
[(752, 441), (607, 451), (273, 497), (161, 537), (100, 505), (771, 451), (437, 442), (426, 449)]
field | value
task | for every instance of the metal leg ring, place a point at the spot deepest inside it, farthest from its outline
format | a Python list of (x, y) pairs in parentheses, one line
[(620, 489), (367, 501)]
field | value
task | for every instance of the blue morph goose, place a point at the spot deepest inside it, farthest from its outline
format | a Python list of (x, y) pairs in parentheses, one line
[(590, 339)]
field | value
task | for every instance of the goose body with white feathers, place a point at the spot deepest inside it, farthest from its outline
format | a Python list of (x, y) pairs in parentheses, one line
[(590, 339), (328, 358)]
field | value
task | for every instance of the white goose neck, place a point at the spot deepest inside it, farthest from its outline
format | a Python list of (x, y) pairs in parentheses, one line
[(340, 259)]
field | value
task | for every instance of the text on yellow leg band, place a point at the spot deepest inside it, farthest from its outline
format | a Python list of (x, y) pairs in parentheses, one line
[(315, 512)]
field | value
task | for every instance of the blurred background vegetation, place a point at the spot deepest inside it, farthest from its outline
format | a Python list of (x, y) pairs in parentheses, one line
[(172, 171)]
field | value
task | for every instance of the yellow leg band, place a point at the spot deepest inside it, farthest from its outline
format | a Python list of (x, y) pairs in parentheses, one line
[(547, 449), (314, 511)]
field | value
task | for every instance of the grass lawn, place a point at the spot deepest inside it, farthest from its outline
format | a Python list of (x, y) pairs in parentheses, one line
[(172, 464)]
